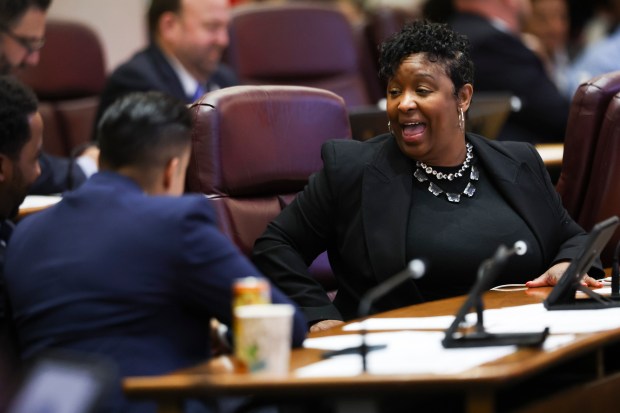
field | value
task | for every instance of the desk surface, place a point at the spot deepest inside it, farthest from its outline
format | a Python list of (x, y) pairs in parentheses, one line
[(34, 203), (551, 153), (209, 380)]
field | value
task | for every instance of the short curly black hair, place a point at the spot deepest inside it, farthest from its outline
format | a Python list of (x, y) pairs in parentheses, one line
[(17, 103), (440, 43)]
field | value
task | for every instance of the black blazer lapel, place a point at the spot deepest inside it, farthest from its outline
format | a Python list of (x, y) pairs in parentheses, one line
[(386, 197)]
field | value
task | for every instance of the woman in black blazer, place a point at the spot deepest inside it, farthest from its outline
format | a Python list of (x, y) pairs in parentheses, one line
[(425, 190)]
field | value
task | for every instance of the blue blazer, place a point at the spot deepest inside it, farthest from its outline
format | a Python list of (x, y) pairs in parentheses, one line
[(149, 70), (110, 270)]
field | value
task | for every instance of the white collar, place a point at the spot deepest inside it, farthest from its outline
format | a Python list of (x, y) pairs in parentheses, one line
[(500, 25)]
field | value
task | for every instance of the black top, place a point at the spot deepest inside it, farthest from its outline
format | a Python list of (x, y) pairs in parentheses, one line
[(470, 232)]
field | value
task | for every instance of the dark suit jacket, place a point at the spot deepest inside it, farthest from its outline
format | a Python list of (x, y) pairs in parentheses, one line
[(357, 208), (149, 70), (110, 270), (503, 63)]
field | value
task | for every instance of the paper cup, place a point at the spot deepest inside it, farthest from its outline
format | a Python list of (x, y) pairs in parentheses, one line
[(263, 337)]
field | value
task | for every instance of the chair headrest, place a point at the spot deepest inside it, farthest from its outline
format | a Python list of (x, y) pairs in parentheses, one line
[(262, 139), (291, 41), (71, 65)]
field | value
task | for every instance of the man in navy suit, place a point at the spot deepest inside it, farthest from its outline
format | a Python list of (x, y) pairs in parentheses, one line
[(125, 266), (504, 63), (187, 39), (22, 29)]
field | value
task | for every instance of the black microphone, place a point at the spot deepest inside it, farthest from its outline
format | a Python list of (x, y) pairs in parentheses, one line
[(503, 253), (615, 274), (491, 266), (414, 270), (487, 273)]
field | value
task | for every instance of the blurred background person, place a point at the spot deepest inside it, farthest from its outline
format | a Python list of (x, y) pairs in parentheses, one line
[(505, 63), (183, 58), (599, 57), (599, 19), (549, 22), (438, 10), (22, 35)]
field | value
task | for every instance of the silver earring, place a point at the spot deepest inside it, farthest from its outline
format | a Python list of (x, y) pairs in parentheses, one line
[(390, 127), (461, 120)]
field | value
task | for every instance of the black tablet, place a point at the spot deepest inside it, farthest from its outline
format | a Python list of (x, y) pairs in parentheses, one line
[(562, 297)]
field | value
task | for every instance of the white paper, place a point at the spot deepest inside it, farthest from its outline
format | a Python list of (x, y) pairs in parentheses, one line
[(406, 352), (535, 317), (39, 201), (404, 323), (520, 319)]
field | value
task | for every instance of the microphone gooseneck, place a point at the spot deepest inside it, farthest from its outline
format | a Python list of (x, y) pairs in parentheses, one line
[(414, 270), (487, 272)]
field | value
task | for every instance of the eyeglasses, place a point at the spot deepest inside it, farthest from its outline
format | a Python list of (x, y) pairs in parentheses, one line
[(30, 44)]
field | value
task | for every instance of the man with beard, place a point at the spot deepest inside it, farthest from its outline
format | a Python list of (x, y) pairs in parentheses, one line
[(21, 136), (187, 39), (22, 30), (506, 63)]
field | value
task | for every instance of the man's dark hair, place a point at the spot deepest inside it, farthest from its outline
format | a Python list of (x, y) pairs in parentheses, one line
[(13, 10), (440, 44), (143, 129), (17, 103), (156, 9)]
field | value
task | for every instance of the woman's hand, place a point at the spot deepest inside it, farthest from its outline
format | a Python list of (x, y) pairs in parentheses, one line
[(553, 275), (325, 325)]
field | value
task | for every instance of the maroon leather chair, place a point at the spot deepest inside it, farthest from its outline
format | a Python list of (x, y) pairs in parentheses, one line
[(602, 198), (67, 81), (585, 118), (254, 151), (301, 44)]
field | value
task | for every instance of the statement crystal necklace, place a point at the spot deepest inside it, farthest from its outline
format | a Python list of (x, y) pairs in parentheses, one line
[(423, 171)]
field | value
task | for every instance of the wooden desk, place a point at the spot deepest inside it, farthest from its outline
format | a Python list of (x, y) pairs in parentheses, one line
[(551, 153), (35, 203), (581, 376)]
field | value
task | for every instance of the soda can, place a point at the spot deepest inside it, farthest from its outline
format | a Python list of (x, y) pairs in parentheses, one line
[(247, 291), (251, 290)]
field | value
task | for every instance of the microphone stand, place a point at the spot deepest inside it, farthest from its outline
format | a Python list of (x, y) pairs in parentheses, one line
[(414, 270), (487, 272)]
